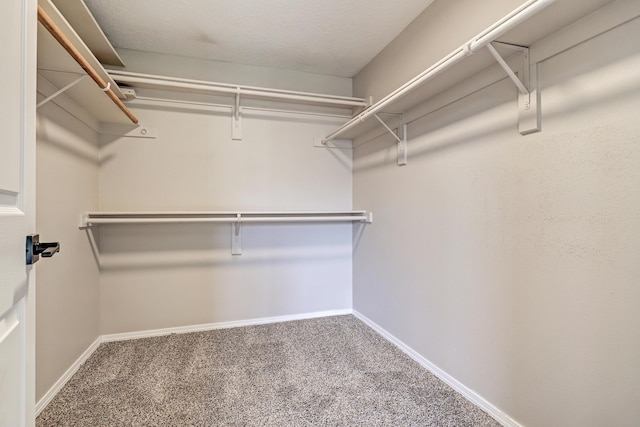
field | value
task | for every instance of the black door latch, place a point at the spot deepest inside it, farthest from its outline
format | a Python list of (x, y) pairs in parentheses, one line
[(35, 248)]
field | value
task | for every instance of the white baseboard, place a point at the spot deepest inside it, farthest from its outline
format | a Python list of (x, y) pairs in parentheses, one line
[(49, 395), (469, 394), (220, 325)]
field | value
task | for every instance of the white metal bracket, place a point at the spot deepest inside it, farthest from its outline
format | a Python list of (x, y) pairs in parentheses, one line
[(401, 141), (60, 91), (369, 218), (236, 236), (529, 118), (236, 123), (131, 131), (342, 144), (84, 219), (402, 147)]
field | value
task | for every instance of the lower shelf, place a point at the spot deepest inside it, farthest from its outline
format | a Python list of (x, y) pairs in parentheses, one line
[(90, 219)]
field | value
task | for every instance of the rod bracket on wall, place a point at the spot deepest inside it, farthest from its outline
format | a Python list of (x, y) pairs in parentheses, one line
[(403, 147), (129, 131), (526, 80), (400, 141), (236, 236), (341, 144), (236, 123)]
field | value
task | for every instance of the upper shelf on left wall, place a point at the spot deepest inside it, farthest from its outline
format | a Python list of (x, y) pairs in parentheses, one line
[(59, 68)]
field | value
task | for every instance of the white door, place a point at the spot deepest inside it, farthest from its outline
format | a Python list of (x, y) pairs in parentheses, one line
[(18, 20)]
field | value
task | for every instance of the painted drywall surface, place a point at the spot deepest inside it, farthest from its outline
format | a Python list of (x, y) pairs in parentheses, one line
[(160, 276), (511, 262), (330, 37), (67, 313)]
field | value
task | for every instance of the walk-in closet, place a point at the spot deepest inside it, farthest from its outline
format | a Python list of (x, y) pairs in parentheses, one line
[(287, 213)]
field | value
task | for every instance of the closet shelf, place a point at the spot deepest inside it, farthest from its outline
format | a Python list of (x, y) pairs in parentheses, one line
[(236, 92), (397, 100), (63, 57), (236, 219), (82, 21), (96, 218), (151, 81)]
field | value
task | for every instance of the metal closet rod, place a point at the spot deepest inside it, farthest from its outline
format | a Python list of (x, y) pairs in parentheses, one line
[(55, 31), (513, 19), (231, 107), (202, 86), (95, 218)]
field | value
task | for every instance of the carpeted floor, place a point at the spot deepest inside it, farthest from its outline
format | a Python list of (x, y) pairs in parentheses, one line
[(332, 371)]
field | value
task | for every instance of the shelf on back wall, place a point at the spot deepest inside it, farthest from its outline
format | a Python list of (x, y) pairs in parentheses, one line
[(236, 219)]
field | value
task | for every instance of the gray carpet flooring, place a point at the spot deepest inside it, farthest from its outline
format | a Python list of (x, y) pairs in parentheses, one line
[(332, 371)]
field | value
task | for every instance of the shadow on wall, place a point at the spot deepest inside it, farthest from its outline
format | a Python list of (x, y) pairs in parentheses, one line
[(169, 246), (218, 111), (51, 126), (443, 126)]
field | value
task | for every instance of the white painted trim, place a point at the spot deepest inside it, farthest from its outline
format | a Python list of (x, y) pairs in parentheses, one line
[(221, 325), (62, 381), (469, 394)]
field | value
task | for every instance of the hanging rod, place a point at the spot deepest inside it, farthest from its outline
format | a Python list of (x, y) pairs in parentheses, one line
[(210, 104), (95, 218), (236, 219), (55, 31), (206, 87), (513, 19)]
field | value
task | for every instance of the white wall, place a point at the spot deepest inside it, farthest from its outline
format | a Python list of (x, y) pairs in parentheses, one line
[(510, 262), (67, 306), (178, 275)]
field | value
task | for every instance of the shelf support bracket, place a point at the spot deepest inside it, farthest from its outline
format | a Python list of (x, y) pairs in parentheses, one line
[(401, 142), (402, 147), (519, 84), (236, 123), (529, 118), (60, 91), (236, 236)]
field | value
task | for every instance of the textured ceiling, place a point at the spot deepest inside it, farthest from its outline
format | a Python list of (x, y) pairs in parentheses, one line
[(337, 37)]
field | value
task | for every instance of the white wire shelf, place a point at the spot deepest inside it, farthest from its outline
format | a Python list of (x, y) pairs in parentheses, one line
[(151, 81), (236, 219), (96, 218)]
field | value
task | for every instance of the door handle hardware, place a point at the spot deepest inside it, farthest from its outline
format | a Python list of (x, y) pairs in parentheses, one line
[(35, 248)]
